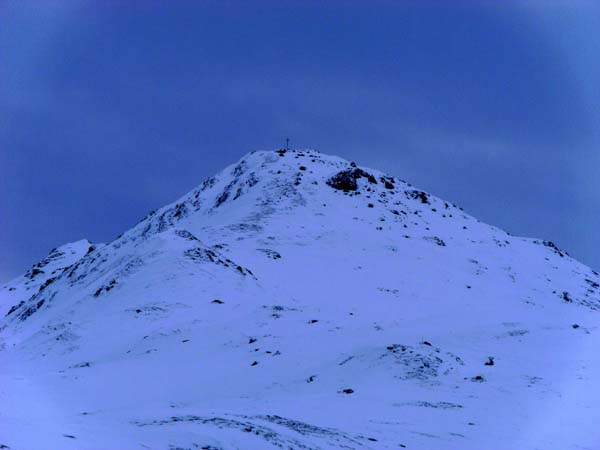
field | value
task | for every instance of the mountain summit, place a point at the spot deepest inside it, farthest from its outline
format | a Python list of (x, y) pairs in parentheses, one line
[(297, 300)]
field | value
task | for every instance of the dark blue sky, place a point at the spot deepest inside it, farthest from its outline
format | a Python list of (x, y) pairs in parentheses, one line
[(111, 109)]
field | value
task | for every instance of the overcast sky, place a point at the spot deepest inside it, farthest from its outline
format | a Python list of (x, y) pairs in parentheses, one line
[(110, 109)]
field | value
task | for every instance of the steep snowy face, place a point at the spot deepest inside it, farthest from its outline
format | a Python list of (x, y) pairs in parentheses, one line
[(298, 300), (42, 273), (246, 196)]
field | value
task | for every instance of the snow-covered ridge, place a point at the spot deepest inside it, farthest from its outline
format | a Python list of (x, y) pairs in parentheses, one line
[(264, 183), (43, 272), (299, 300), (244, 196)]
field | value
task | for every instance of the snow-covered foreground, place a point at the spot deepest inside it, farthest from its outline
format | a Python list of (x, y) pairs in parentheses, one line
[(296, 301)]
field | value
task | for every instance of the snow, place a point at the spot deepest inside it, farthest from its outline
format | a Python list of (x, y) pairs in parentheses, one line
[(57, 260), (389, 292)]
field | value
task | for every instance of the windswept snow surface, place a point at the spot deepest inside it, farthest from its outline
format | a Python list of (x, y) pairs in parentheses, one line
[(297, 301)]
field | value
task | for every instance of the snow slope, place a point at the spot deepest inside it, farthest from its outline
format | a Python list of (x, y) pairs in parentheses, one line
[(50, 267), (297, 301)]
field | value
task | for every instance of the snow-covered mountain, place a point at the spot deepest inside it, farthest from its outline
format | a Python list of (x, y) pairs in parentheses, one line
[(296, 300)]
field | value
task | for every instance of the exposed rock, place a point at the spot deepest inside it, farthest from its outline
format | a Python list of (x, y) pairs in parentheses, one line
[(346, 180)]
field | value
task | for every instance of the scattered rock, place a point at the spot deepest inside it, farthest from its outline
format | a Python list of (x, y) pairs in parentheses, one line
[(421, 363), (81, 365), (35, 272), (346, 179), (435, 405), (551, 245), (105, 288), (436, 240), (419, 195), (48, 282), (270, 253), (15, 307)]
